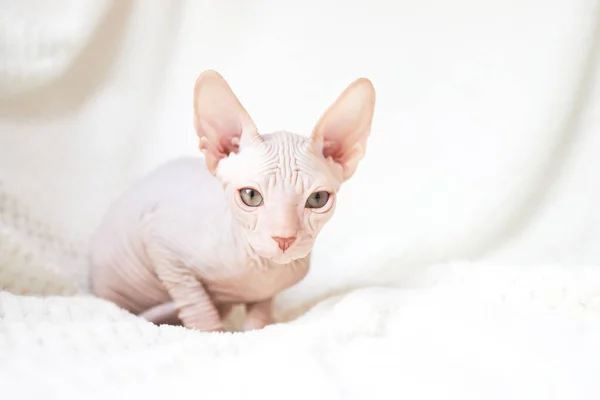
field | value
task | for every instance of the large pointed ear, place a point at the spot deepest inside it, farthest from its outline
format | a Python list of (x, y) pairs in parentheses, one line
[(221, 122), (344, 128)]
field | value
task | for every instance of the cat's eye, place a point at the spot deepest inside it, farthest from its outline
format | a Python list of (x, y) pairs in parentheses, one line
[(251, 197), (317, 199)]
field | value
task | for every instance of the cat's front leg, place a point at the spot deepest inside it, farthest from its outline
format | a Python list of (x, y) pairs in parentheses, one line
[(194, 306), (258, 315)]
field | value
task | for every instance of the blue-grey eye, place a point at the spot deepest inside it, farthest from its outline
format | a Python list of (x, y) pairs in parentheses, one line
[(251, 197), (317, 199)]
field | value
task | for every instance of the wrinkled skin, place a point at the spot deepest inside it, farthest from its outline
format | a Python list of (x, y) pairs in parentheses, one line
[(197, 236)]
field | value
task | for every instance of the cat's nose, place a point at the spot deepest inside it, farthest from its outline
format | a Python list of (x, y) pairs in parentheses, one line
[(284, 242)]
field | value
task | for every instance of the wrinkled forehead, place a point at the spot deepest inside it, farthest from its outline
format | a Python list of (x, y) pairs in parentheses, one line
[(281, 162)]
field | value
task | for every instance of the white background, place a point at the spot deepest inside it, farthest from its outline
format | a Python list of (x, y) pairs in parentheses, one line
[(485, 140)]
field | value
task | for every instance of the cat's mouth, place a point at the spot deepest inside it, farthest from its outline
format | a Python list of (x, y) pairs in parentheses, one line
[(276, 254), (282, 259), (286, 257)]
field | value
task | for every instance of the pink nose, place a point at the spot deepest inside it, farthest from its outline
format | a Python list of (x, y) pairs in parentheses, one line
[(284, 242)]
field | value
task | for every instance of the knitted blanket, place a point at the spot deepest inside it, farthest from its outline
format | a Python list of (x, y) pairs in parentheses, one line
[(485, 332)]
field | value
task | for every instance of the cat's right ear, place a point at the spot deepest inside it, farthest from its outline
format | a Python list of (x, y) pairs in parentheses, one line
[(220, 120)]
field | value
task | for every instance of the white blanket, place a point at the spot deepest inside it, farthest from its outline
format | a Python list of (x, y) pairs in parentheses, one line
[(486, 332), (485, 148)]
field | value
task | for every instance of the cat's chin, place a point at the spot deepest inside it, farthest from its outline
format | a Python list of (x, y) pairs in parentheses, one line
[(283, 259)]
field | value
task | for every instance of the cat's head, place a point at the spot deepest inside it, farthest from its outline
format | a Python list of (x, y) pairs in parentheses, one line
[(282, 187)]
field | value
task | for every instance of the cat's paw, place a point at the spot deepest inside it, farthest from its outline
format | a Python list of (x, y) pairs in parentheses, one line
[(252, 324)]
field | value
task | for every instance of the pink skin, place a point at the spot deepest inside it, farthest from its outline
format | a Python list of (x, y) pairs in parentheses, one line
[(195, 237)]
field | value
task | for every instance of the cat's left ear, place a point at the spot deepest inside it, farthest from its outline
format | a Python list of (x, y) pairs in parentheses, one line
[(222, 123), (342, 132)]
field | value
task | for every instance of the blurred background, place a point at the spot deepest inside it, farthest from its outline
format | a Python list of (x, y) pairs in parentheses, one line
[(485, 142)]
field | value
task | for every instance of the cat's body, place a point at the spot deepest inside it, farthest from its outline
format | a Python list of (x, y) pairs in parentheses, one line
[(165, 213), (197, 236)]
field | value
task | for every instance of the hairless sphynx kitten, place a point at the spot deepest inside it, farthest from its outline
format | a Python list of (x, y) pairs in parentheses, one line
[(196, 237)]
